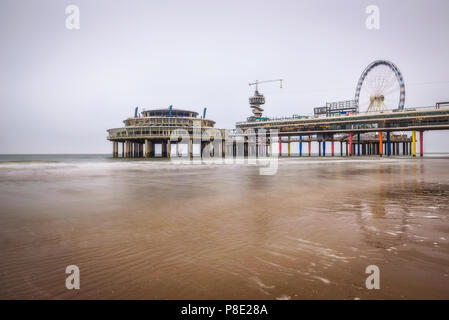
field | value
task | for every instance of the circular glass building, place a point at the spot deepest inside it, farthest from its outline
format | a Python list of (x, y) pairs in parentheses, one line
[(151, 132)]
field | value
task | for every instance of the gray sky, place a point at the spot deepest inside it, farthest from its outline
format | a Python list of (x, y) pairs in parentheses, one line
[(61, 89)]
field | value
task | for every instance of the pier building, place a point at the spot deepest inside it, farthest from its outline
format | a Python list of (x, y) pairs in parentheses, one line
[(150, 134)]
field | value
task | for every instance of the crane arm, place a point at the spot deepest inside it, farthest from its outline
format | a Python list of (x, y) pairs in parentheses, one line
[(257, 82)]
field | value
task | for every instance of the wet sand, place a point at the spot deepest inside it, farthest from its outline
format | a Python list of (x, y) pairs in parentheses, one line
[(154, 230)]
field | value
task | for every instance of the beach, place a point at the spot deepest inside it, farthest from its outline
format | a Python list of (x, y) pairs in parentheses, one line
[(152, 229)]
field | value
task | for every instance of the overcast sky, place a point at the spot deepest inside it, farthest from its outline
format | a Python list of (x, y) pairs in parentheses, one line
[(60, 89)]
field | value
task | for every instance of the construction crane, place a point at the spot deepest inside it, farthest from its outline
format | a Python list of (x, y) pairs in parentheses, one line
[(258, 99)]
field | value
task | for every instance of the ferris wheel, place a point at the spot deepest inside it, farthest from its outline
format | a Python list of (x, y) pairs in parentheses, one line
[(380, 87)]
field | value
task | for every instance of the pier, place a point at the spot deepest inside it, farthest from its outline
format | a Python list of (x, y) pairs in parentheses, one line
[(385, 127), (373, 133), (358, 135)]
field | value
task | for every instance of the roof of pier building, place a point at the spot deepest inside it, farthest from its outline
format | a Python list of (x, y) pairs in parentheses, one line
[(168, 113), (167, 117)]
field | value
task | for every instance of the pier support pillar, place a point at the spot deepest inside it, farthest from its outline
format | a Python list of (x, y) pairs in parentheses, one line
[(332, 145), (223, 148), (300, 146), (163, 148), (388, 144), (288, 150), (341, 148), (168, 148), (380, 143), (280, 146), (414, 143), (147, 148), (152, 151), (358, 144), (319, 148), (268, 147), (324, 145), (350, 144), (123, 149), (421, 143), (310, 145)]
